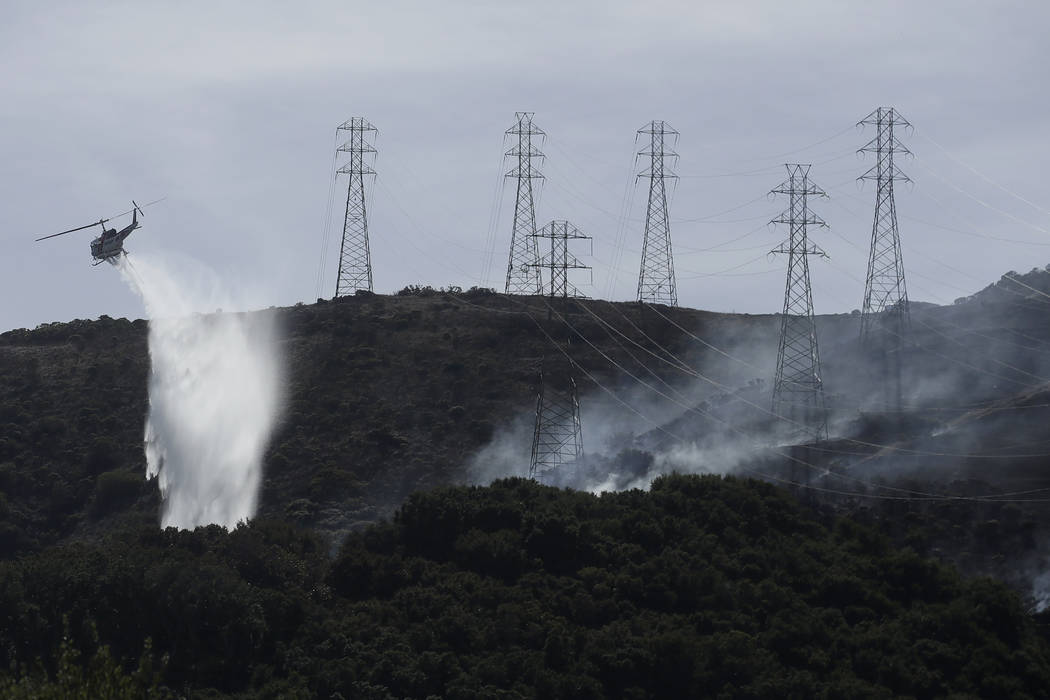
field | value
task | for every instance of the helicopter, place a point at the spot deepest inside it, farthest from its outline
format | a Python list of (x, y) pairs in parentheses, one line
[(110, 243)]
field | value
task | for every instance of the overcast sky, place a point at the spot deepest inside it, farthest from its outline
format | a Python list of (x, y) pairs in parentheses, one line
[(229, 110)]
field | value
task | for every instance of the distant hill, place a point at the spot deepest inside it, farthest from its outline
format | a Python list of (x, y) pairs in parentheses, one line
[(1013, 287)]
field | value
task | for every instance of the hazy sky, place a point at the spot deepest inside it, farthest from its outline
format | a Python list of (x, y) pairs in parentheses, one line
[(229, 111)]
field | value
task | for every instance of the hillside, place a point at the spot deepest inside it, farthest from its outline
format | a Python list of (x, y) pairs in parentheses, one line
[(387, 396)]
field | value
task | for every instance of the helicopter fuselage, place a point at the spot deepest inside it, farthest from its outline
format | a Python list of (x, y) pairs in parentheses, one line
[(111, 243)]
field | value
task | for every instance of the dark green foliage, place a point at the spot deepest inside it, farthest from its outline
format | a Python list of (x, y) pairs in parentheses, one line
[(101, 676), (116, 489), (702, 587), (102, 456)]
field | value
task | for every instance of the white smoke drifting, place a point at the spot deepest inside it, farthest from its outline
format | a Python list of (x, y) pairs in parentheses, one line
[(214, 393)]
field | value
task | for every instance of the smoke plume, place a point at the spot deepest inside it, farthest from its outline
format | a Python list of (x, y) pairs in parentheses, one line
[(214, 392)]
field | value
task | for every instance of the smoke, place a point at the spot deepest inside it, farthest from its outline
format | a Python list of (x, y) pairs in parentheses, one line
[(214, 392), (1040, 595), (634, 433), (723, 424)]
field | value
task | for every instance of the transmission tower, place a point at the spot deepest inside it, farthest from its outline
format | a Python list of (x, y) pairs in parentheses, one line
[(885, 293), (656, 278), (522, 275), (559, 260), (355, 260), (798, 393), (558, 437)]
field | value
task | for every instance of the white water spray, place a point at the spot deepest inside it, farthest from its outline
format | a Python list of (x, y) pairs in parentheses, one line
[(214, 392)]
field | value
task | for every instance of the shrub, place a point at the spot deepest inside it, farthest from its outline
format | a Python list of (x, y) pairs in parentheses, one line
[(115, 490)]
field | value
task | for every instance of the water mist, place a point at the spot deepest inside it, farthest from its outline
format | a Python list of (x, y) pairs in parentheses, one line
[(214, 393)]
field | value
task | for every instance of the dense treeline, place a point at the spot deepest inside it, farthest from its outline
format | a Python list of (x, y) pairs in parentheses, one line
[(384, 395), (703, 586)]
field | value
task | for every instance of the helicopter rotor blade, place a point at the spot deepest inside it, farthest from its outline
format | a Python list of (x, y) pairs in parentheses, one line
[(139, 207), (79, 228), (103, 221)]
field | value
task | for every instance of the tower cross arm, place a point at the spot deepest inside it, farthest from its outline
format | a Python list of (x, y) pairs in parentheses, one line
[(351, 169), (895, 173), (658, 126), (790, 219), (876, 145), (664, 174), (567, 231), (525, 174), (531, 152), (570, 262), (810, 249), (524, 126), (351, 147), (665, 153), (789, 188), (356, 124), (883, 114)]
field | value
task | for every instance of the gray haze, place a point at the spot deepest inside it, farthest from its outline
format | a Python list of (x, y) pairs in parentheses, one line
[(229, 110)]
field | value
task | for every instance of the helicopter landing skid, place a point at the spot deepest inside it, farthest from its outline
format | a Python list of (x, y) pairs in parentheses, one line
[(110, 258)]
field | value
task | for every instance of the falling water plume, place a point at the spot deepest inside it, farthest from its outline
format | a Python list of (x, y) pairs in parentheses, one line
[(214, 392)]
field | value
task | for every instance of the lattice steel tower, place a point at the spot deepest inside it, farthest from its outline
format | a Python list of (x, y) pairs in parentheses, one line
[(522, 275), (885, 293), (559, 260), (558, 438), (798, 392), (355, 259), (656, 278)]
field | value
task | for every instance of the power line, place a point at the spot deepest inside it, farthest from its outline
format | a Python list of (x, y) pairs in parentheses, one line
[(626, 206), (326, 224), (494, 217), (984, 177), (983, 203), (420, 233)]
